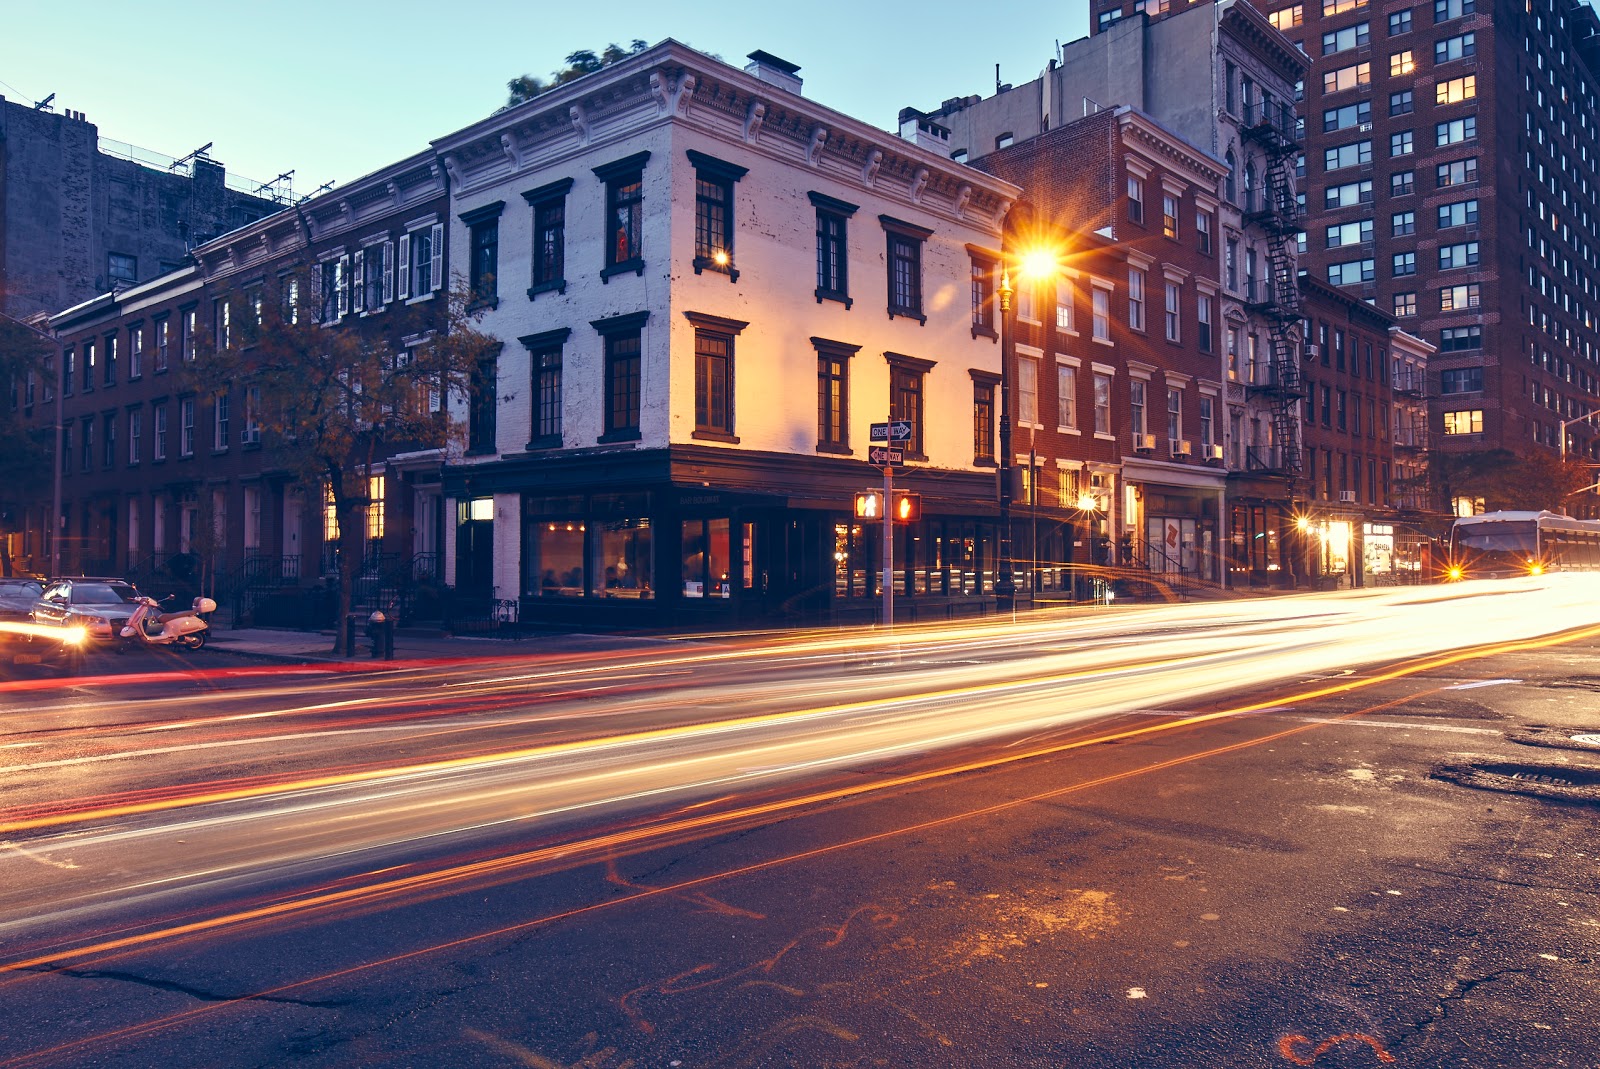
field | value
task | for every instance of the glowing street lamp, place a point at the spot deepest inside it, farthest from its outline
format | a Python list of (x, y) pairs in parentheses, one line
[(1034, 264)]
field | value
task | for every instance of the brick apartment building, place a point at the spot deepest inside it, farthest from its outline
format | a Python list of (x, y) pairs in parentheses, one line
[(1451, 175)]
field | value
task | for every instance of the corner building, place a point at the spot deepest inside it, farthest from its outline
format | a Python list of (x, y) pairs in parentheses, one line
[(709, 287)]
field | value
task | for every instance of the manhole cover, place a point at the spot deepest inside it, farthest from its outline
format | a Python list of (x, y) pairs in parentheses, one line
[(1570, 783), (1587, 740), (1554, 775)]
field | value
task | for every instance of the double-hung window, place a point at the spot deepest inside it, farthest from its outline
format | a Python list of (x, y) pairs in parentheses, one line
[(163, 329), (1462, 255), (1066, 397), (483, 252), (714, 375), (833, 395), (906, 375), (545, 367), (1351, 155), (622, 387), (1461, 47), (186, 427), (1203, 327), (420, 271), (1461, 213), (483, 406), (984, 385), (1136, 278), (1456, 131), (624, 219), (219, 421), (983, 302), (1457, 173), (549, 206), (833, 248), (1174, 330), (1342, 40), (714, 180), (1101, 298), (135, 435), (905, 266), (1102, 403), (158, 424)]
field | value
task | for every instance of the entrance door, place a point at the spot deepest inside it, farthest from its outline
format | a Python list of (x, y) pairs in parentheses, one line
[(475, 548)]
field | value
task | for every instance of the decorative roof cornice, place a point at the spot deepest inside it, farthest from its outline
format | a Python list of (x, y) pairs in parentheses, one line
[(1141, 132), (1252, 28)]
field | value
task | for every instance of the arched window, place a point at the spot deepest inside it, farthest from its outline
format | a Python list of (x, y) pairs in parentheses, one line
[(1230, 187), (1250, 187)]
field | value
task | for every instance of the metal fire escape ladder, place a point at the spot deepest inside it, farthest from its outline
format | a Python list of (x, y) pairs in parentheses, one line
[(1273, 127)]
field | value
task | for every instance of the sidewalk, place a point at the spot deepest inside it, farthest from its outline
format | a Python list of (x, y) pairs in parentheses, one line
[(409, 644)]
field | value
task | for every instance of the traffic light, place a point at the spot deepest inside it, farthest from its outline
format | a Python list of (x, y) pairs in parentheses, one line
[(907, 508), (869, 505)]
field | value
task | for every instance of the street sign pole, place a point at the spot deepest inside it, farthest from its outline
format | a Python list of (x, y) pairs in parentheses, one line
[(888, 547)]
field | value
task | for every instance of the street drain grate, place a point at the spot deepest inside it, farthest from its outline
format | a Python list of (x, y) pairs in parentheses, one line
[(1570, 783)]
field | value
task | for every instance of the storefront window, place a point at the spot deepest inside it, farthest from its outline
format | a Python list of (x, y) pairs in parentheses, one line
[(706, 559), (620, 559), (553, 554)]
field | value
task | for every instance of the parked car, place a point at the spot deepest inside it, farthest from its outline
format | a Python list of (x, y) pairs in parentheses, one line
[(97, 604), (22, 641), (17, 596)]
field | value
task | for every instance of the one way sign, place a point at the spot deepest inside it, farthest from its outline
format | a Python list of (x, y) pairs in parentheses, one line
[(879, 455), (894, 431)]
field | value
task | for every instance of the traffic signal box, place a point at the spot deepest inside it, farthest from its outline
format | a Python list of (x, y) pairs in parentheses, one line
[(907, 507)]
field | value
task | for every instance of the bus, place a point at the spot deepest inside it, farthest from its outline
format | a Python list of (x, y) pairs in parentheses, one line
[(1499, 544)]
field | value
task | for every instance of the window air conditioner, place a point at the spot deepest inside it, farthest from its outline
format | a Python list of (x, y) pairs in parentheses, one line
[(1144, 443), (1180, 447), (1213, 452), (1312, 352), (1347, 496)]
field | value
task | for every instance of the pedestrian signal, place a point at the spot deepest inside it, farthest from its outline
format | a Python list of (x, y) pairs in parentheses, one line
[(869, 505), (907, 508)]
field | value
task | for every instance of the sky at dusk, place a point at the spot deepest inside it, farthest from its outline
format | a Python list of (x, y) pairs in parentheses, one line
[(339, 88)]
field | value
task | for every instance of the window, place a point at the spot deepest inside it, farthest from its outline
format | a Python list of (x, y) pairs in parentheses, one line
[(1135, 298), (1230, 181), (905, 267), (483, 252), (1233, 354), (1202, 226), (1347, 116), (108, 440), (483, 404), (1136, 406), (135, 435), (1445, 10), (1005, 140), (88, 443), (623, 367), (1066, 301), (713, 375), (1355, 233), (982, 294), (1250, 274), (122, 267), (1287, 17), (1405, 263), (1458, 173), (1345, 39), (1208, 433), (1169, 215), (1455, 48), (1402, 183), (90, 362), (1027, 391), (1460, 339), (1458, 298), (1455, 90), (1456, 131), (163, 342), (1400, 103), (905, 397), (159, 431), (1403, 223), (1230, 74), (1401, 143), (1464, 254), (1230, 264), (1347, 195), (219, 422), (1399, 22), (545, 368), (1025, 303), (1102, 314), (251, 434), (1405, 304), (1102, 404), (549, 205), (1173, 319), (135, 353), (713, 213), (1341, 408), (833, 396), (833, 218), (1135, 199), (1461, 380), (1336, 81), (983, 387), (1066, 397), (1350, 272), (374, 278), (1340, 7), (1461, 213), (1352, 155), (186, 427), (1174, 413), (1205, 339), (1465, 421), (624, 219), (1401, 64), (421, 268)]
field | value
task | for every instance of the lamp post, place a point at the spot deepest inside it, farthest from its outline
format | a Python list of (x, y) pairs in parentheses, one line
[(1005, 584)]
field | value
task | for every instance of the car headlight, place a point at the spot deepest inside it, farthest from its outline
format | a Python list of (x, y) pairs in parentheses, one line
[(96, 625)]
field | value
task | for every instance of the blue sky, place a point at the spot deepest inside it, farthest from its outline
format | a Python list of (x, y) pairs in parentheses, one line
[(338, 88)]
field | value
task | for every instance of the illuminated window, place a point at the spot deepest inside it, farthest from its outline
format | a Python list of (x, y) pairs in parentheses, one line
[(1455, 90), (1464, 421), (1401, 63)]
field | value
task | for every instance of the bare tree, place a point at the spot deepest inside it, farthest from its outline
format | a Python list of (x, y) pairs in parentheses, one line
[(333, 404), (27, 446)]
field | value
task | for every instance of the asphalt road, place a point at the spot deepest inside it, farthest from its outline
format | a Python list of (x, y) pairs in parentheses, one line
[(1261, 833)]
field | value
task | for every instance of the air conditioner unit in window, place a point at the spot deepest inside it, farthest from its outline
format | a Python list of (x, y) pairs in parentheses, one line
[(1213, 452), (1347, 496), (1144, 443), (1180, 447), (1364, 127), (1312, 351)]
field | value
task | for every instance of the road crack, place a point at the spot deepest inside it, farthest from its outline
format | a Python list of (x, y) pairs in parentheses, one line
[(1458, 992), (197, 993)]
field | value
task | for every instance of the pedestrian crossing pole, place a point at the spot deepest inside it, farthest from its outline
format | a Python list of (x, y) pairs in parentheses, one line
[(888, 547)]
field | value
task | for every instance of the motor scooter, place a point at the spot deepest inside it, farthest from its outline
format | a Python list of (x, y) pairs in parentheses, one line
[(150, 626)]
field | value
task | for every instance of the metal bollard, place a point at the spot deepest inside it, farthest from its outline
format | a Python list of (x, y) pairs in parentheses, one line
[(375, 631), (350, 634)]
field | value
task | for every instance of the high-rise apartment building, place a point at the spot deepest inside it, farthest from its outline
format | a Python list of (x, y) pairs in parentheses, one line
[(1450, 177)]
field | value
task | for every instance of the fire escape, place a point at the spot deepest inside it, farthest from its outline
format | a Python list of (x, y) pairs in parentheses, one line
[(1272, 126)]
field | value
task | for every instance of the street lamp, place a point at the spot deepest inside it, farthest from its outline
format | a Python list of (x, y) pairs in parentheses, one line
[(1035, 264)]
